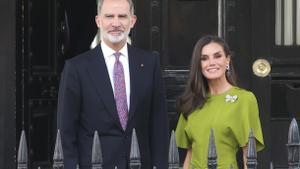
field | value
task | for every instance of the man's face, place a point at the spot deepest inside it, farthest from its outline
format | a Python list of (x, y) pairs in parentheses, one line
[(115, 21)]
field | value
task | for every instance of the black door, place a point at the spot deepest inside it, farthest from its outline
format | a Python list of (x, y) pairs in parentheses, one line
[(48, 32), (172, 27), (38, 60), (276, 39)]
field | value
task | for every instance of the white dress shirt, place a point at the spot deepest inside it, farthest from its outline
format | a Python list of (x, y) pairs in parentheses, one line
[(110, 59)]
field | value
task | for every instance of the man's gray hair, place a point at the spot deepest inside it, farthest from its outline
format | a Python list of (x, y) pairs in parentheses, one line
[(131, 6)]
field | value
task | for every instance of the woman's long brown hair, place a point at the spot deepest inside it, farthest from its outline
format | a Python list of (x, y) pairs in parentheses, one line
[(196, 90)]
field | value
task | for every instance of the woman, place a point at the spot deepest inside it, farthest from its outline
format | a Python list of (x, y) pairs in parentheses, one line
[(212, 100)]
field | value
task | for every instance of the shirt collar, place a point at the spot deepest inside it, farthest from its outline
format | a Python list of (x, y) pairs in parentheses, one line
[(108, 52)]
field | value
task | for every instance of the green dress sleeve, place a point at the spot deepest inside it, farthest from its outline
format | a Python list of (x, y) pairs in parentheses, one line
[(248, 119), (182, 139)]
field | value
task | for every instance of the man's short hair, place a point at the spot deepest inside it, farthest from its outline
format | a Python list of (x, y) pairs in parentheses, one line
[(131, 6)]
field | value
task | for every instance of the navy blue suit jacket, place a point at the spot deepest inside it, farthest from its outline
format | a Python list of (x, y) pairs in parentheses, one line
[(86, 103)]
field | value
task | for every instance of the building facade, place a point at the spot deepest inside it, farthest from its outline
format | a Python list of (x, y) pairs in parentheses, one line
[(37, 36)]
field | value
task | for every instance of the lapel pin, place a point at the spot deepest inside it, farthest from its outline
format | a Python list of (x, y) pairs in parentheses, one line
[(142, 65)]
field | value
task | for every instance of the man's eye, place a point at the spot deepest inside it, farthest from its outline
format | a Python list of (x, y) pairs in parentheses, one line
[(108, 16), (123, 16)]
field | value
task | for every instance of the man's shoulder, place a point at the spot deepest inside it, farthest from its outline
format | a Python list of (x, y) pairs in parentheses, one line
[(83, 57), (142, 52)]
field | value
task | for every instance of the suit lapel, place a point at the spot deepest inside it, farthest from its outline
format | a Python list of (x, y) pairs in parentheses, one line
[(99, 75), (134, 60)]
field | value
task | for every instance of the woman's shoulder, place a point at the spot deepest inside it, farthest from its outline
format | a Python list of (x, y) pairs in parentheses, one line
[(244, 94)]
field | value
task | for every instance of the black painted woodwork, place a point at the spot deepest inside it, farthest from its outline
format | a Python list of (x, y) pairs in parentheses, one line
[(50, 31), (7, 84), (278, 92)]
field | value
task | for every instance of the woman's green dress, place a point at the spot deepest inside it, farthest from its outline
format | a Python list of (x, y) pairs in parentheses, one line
[(231, 115)]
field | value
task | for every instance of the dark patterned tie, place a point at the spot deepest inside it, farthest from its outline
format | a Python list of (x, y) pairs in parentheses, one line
[(120, 91)]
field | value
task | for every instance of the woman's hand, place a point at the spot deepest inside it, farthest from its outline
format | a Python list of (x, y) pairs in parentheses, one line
[(245, 151), (187, 160)]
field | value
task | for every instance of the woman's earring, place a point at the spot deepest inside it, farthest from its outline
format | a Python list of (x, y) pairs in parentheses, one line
[(228, 73)]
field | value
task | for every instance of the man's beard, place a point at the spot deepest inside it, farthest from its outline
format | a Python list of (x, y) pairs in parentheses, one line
[(112, 38)]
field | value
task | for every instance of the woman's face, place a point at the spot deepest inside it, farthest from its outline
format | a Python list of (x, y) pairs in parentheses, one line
[(214, 61)]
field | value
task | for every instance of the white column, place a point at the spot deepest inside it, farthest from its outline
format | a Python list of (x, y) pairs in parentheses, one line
[(288, 22), (298, 22), (278, 21)]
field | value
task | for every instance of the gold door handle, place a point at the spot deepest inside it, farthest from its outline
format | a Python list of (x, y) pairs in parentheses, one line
[(261, 68)]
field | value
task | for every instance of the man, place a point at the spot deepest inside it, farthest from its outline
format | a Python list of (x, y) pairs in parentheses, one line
[(113, 89)]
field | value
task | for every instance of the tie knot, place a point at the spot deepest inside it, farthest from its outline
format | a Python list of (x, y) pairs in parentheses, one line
[(117, 55)]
